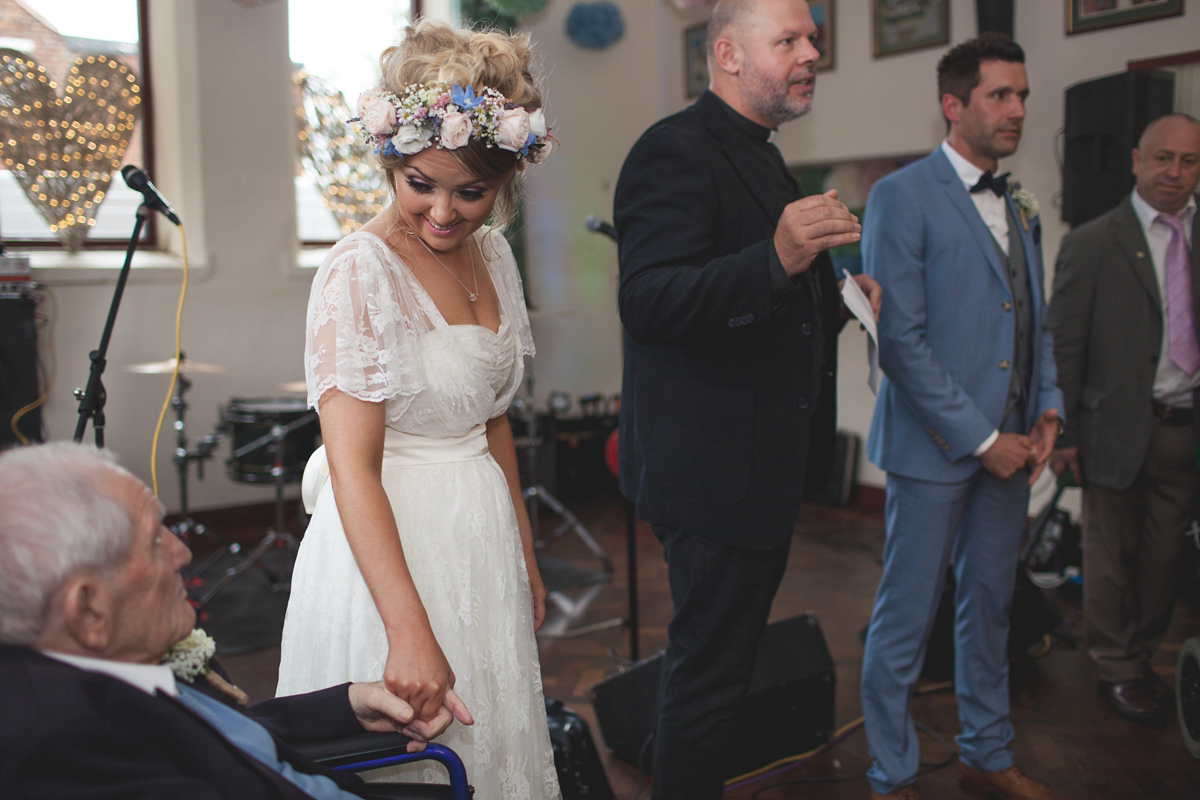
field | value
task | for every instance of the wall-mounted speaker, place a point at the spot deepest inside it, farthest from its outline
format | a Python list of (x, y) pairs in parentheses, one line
[(1104, 118)]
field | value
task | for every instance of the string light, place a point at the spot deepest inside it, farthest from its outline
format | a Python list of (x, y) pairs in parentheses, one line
[(64, 163), (344, 164)]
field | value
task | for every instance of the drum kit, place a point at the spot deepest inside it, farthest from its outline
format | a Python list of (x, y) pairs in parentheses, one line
[(271, 439)]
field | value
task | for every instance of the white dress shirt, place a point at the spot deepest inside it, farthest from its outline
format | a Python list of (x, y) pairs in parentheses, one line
[(991, 207), (1172, 386)]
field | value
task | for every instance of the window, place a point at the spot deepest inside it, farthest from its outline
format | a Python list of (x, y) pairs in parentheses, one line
[(335, 58), (59, 186)]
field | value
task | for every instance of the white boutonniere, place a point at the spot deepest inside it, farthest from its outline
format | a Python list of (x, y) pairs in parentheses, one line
[(1026, 202), (189, 660)]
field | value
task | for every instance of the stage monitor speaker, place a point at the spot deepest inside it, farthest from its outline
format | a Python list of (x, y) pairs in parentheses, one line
[(18, 369), (789, 709), (1104, 118)]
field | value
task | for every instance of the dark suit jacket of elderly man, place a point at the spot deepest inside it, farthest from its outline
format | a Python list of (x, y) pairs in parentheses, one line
[(1106, 315), (70, 734)]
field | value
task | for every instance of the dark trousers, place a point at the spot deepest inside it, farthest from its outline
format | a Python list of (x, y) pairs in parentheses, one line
[(1131, 545), (722, 596)]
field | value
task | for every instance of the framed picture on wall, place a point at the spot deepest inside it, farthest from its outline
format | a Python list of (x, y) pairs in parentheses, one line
[(898, 26), (1090, 15), (695, 59), (822, 14)]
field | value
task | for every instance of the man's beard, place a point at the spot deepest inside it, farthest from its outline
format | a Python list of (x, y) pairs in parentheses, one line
[(771, 100)]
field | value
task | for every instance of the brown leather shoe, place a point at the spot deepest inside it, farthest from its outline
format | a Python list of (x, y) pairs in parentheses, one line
[(1006, 784), (903, 793), (1135, 700)]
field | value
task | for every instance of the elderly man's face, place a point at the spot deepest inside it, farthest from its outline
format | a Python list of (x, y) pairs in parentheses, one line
[(151, 610), (779, 65), (1167, 165)]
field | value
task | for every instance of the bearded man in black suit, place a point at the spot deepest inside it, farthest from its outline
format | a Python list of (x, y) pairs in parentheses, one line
[(731, 316), (91, 599)]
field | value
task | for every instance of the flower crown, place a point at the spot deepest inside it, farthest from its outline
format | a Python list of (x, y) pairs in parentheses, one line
[(450, 116)]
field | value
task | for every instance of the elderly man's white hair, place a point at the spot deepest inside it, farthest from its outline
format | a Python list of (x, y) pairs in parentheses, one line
[(56, 520)]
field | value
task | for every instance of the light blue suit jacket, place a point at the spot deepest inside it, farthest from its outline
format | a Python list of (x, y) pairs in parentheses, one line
[(947, 326)]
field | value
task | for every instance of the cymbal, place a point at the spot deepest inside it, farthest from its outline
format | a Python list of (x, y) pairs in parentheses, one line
[(293, 386), (168, 366)]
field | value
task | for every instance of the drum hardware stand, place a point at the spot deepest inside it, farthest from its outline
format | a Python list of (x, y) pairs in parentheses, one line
[(530, 443), (187, 528), (277, 537)]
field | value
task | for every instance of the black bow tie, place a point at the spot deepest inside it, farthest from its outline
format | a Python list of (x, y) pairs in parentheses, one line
[(997, 183)]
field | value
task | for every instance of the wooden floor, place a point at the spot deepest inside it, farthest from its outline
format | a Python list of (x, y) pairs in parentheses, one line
[(1066, 736)]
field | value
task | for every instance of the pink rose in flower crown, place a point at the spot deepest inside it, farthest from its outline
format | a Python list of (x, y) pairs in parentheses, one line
[(456, 130), (379, 116), (513, 130)]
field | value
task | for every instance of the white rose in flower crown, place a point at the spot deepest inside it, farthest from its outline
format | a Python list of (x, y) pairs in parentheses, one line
[(513, 130), (456, 130), (410, 139), (537, 123), (379, 116)]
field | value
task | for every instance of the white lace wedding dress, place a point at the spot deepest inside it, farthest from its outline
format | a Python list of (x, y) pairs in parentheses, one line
[(375, 334)]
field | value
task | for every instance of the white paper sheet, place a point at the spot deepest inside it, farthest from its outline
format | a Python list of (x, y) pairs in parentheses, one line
[(860, 307)]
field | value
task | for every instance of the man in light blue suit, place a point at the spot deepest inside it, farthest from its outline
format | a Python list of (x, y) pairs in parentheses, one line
[(967, 415)]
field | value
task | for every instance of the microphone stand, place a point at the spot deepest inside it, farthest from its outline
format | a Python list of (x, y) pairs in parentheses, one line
[(91, 400)]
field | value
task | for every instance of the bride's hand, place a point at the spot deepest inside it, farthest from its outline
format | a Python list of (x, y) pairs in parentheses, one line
[(538, 589), (417, 672)]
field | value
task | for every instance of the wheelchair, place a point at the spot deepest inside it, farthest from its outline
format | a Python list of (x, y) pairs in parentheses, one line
[(367, 751)]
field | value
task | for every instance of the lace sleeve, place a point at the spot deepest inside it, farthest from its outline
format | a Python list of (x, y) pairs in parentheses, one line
[(495, 248), (362, 328)]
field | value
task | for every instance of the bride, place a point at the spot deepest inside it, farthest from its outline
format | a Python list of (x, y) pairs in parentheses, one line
[(418, 564)]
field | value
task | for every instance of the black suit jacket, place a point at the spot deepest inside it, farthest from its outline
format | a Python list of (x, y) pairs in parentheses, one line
[(728, 369), (66, 733), (1107, 321)]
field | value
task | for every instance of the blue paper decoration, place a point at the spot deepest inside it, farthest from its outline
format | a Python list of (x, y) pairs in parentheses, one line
[(595, 25)]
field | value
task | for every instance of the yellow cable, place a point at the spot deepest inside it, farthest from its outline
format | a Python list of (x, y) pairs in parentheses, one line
[(175, 374), (849, 726), (48, 378)]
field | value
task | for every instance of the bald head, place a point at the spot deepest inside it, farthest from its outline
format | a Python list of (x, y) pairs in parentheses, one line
[(1166, 162)]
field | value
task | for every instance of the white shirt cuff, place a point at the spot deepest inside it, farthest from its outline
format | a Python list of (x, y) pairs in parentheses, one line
[(988, 442)]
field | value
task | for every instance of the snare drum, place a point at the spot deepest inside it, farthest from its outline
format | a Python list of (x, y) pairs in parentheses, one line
[(251, 419)]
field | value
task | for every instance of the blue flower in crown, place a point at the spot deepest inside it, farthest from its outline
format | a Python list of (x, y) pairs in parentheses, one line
[(465, 99)]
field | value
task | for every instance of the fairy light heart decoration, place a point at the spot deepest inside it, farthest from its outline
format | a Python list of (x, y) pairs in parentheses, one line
[(346, 172), (63, 149)]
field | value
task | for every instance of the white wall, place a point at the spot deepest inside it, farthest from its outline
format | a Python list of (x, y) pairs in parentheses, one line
[(225, 144)]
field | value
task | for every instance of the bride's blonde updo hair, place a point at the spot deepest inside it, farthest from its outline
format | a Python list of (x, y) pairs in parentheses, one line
[(433, 52)]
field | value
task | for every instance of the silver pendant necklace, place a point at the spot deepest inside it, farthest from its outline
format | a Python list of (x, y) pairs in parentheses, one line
[(472, 296)]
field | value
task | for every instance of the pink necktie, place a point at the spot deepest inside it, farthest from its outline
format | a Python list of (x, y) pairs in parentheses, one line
[(1181, 327)]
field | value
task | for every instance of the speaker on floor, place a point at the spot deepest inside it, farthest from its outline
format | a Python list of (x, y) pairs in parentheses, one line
[(18, 369), (1103, 120), (789, 708)]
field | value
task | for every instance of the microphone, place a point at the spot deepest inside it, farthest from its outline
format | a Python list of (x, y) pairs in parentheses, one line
[(597, 225), (139, 181)]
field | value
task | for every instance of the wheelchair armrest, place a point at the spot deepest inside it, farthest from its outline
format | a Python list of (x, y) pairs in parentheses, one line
[(354, 749), (366, 750)]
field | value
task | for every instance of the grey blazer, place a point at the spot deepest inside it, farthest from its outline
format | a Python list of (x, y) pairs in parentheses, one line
[(1106, 317)]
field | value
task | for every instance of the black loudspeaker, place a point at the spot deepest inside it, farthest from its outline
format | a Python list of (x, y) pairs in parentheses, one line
[(18, 369), (1104, 118), (789, 709), (994, 16)]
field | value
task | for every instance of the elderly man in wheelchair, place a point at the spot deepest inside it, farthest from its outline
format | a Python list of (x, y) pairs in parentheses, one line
[(91, 601)]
